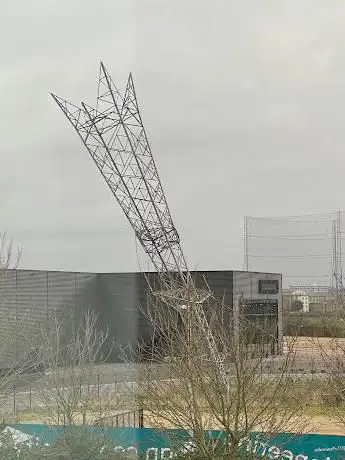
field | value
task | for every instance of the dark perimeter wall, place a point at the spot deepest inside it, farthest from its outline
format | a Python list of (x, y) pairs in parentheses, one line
[(29, 298), (32, 297)]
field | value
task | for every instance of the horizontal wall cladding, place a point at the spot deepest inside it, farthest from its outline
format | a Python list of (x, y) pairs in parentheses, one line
[(220, 283), (8, 319), (247, 284), (34, 297), (123, 300), (31, 298)]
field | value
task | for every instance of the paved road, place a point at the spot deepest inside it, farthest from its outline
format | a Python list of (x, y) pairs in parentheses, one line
[(106, 373), (117, 373)]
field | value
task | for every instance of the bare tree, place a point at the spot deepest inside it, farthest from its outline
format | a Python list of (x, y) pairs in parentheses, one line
[(13, 329), (14, 360), (330, 351), (196, 397), (70, 393), (9, 259)]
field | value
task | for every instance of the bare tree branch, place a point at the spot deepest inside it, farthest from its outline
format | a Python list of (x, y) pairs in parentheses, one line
[(67, 394), (198, 398)]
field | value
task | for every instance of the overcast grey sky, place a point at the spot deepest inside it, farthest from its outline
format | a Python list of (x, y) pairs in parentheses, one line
[(243, 102)]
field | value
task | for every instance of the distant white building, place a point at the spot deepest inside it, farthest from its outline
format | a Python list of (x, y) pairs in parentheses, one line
[(303, 297)]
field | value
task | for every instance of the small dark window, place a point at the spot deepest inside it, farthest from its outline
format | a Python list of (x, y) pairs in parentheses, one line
[(268, 287)]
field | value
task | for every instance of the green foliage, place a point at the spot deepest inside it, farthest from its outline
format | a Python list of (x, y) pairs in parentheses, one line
[(311, 325)]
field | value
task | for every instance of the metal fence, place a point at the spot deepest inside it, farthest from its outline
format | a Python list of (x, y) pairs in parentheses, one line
[(100, 392), (124, 419), (306, 249)]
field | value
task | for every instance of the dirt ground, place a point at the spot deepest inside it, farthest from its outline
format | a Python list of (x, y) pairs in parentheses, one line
[(308, 355), (319, 424), (324, 425), (309, 345)]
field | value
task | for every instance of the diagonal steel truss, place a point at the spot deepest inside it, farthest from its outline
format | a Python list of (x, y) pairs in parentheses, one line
[(115, 137)]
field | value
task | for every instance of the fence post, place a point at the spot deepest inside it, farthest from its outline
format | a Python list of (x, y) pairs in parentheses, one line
[(141, 418), (116, 390), (30, 396), (98, 389), (14, 398)]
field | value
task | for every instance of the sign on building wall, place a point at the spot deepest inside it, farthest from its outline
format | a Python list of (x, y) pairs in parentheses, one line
[(268, 286)]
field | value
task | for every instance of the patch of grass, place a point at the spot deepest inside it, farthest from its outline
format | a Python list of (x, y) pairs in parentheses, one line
[(325, 411), (29, 415), (314, 325)]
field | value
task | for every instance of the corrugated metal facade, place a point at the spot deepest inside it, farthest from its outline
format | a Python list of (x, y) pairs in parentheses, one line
[(35, 296)]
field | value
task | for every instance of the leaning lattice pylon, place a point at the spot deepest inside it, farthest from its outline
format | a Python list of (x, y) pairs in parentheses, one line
[(116, 139), (114, 135)]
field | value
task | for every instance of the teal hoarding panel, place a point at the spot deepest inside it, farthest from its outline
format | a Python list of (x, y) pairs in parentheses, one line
[(161, 444)]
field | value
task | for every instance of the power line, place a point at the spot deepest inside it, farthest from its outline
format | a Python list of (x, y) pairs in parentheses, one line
[(291, 218), (311, 256), (292, 237)]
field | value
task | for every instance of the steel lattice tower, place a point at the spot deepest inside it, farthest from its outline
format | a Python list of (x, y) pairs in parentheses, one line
[(337, 235), (115, 137)]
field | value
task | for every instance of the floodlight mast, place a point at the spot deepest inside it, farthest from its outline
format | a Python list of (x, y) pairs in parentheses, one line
[(116, 139)]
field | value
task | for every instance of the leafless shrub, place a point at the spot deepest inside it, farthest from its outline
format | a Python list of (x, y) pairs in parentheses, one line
[(331, 352), (228, 390), (70, 393), (12, 328)]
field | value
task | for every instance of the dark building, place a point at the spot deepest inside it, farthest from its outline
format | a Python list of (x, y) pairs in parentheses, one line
[(118, 298)]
